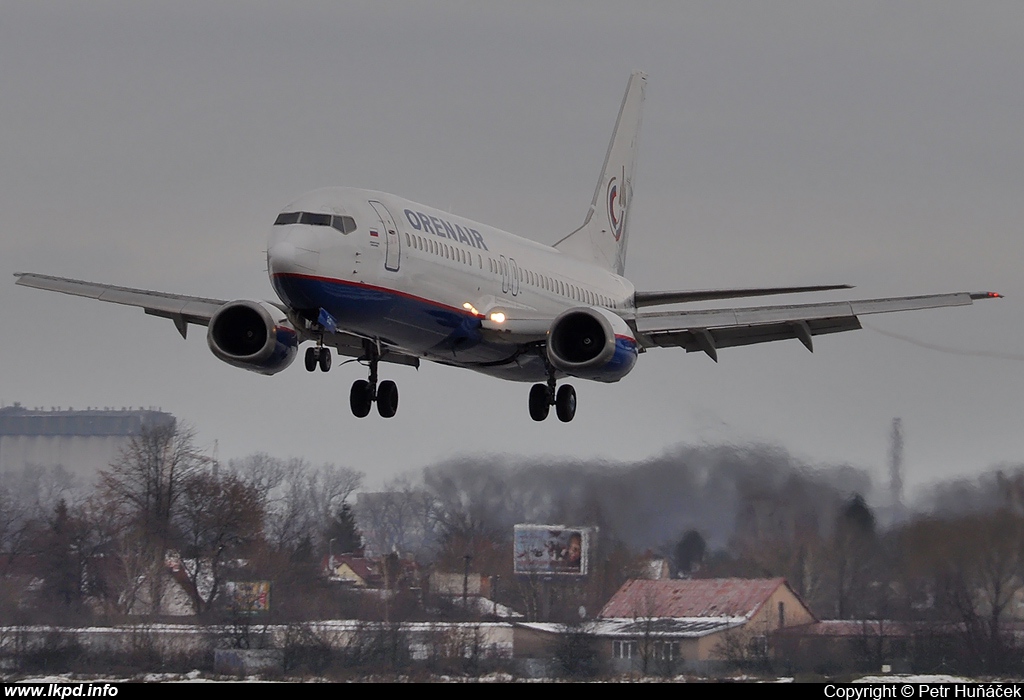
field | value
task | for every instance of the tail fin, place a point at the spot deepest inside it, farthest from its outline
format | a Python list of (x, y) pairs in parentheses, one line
[(602, 237)]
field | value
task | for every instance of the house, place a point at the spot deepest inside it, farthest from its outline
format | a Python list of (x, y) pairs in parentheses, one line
[(353, 570), (654, 626)]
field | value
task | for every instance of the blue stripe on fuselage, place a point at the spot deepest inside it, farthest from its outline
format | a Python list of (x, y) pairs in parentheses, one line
[(413, 322)]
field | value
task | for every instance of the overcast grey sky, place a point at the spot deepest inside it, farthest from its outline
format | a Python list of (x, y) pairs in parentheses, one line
[(878, 144)]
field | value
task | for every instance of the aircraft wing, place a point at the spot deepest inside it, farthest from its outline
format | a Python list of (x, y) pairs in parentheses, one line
[(183, 310), (664, 298), (708, 330)]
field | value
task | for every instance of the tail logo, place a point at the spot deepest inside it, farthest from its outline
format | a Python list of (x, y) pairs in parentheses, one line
[(616, 211)]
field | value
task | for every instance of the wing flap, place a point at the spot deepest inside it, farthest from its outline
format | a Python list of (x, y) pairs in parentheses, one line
[(710, 329), (712, 318), (680, 297), (691, 341)]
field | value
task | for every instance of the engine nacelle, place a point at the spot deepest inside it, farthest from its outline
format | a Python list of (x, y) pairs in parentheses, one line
[(591, 343), (253, 335)]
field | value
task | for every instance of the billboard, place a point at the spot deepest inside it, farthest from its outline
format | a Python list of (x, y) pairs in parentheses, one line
[(551, 549), (248, 597)]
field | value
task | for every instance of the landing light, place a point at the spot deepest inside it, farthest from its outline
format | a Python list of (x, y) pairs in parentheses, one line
[(471, 309), (498, 317)]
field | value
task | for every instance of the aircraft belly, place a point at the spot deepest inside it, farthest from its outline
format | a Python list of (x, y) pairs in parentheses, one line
[(524, 368), (413, 324)]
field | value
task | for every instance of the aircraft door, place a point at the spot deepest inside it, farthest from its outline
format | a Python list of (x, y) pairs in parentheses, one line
[(515, 273), (392, 241), (503, 264)]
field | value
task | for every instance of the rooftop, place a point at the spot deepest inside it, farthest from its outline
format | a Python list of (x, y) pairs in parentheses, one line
[(17, 420), (691, 598), (659, 627)]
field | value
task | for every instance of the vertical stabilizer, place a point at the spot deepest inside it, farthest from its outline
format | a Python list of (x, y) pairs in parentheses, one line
[(602, 237)]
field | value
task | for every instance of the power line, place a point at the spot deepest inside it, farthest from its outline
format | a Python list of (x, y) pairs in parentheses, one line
[(946, 349)]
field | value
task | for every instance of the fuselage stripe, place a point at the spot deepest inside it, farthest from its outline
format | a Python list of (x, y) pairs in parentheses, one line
[(375, 288)]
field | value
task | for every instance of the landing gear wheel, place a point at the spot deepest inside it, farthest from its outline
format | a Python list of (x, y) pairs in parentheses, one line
[(540, 404), (311, 359), (325, 359), (360, 398), (565, 403), (387, 399)]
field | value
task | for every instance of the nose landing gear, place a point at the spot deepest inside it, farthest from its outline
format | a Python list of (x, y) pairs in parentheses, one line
[(318, 356)]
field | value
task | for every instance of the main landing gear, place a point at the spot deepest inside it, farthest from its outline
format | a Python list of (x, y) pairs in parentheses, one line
[(366, 391), (544, 396)]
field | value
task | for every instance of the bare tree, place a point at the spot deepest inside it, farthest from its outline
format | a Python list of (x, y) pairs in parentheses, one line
[(403, 518), (15, 516), (263, 473), (215, 515), (972, 568), (855, 554), (143, 487), (300, 500)]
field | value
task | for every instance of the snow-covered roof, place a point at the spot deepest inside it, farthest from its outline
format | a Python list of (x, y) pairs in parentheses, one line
[(691, 598), (687, 627), (483, 606)]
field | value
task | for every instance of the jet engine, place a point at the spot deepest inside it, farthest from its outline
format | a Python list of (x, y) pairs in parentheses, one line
[(591, 343), (253, 335)]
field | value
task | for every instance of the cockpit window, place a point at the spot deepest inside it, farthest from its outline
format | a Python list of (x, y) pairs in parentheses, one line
[(315, 219), (345, 224)]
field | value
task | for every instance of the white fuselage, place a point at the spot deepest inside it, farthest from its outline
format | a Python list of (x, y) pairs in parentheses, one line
[(422, 280)]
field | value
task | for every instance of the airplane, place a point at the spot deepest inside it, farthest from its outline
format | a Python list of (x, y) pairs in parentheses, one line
[(380, 279)]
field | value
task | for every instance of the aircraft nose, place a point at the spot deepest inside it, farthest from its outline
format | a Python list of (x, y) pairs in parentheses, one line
[(288, 256)]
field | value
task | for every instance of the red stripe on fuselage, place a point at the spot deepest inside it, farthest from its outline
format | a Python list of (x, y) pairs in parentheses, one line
[(375, 288)]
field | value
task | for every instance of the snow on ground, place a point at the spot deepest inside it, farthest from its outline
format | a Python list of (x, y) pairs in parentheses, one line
[(908, 678), (497, 677)]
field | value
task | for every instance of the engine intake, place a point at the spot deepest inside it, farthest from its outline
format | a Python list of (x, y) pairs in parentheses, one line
[(253, 335), (591, 343)]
